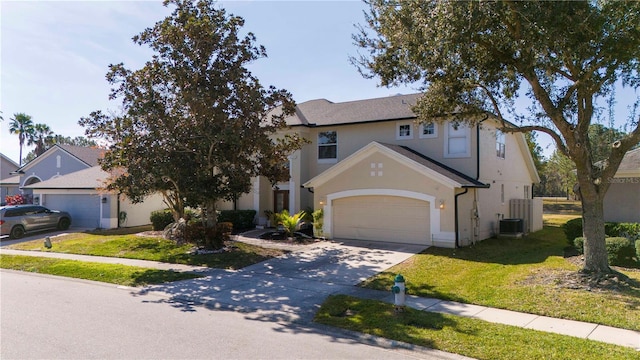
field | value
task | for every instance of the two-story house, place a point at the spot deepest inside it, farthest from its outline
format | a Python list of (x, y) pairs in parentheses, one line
[(379, 175)]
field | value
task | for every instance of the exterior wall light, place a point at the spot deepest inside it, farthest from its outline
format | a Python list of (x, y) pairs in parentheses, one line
[(441, 204)]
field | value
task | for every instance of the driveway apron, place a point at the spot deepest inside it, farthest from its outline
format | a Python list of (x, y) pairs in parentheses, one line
[(293, 286)]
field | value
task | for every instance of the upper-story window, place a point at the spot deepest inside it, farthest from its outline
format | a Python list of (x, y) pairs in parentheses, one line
[(500, 144), (404, 130), (457, 142), (327, 146), (428, 131)]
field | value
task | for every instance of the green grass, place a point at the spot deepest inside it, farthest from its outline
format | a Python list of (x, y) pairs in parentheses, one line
[(132, 246), (509, 274), (470, 337), (109, 273)]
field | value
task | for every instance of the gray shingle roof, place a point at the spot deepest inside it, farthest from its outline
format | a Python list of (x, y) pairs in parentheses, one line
[(323, 112), (91, 178), (462, 179), (88, 155), (630, 161)]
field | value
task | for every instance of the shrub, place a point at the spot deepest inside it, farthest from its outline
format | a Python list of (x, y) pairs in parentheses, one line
[(579, 244), (318, 221), (629, 230), (572, 229), (160, 219), (208, 237), (638, 250), (619, 250), (241, 219)]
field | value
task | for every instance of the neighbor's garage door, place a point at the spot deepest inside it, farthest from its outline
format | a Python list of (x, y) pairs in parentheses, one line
[(382, 218), (84, 209)]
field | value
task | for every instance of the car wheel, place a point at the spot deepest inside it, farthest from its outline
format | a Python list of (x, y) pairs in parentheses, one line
[(17, 232), (64, 224)]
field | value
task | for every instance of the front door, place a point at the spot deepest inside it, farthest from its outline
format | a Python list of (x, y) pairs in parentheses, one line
[(280, 200)]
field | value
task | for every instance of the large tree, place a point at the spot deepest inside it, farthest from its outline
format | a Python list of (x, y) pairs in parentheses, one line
[(22, 125), (196, 124), (477, 56)]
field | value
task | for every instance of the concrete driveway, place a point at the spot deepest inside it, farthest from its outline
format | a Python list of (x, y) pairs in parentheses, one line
[(291, 287)]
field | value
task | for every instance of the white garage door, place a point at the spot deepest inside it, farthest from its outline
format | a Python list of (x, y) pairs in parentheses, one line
[(84, 209), (382, 218)]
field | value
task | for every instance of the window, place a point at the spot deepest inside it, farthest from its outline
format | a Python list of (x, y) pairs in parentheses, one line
[(327, 147), (457, 141), (428, 131), (500, 144), (502, 193), (404, 130)]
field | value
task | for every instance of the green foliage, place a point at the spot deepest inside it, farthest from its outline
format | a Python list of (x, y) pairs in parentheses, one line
[(21, 125), (638, 250), (318, 221), (291, 223), (160, 219), (620, 250), (578, 243), (572, 229), (241, 219), (199, 128)]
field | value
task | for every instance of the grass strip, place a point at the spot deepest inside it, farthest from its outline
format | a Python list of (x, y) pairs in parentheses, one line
[(133, 246), (108, 273), (469, 337)]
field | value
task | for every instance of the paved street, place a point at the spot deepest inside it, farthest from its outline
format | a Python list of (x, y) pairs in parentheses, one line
[(49, 317)]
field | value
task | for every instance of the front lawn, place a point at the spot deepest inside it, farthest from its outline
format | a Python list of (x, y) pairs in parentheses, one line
[(109, 273), (133, 246), (465, 336), (527, 275)]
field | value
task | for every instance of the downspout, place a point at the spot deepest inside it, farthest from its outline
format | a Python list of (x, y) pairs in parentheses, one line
[(466, 190), (118, 209)]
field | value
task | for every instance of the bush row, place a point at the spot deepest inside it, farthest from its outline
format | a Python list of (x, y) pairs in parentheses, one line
[(620, 250), (241, 219), (573, 229)]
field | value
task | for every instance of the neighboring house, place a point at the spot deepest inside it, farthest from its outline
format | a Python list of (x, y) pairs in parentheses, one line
[(68, 178), (80, 194), (8, 182), (381, 176), (622, 201)]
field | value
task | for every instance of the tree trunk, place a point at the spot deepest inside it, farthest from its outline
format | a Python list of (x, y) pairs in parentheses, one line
[(211, 214), (595, 251)]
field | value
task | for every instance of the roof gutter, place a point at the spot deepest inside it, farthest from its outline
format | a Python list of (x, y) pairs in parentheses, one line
[(466, 188)]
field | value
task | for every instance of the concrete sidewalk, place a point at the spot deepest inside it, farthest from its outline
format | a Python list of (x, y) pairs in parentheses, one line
[(292, 287), (607, 334)]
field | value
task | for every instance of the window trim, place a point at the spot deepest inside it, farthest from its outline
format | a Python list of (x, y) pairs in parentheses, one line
[(327, 160), (501, 145), (428, 136), (411, 130), (447, 138)]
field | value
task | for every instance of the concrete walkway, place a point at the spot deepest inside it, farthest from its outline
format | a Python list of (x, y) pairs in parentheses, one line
[(292, 287)]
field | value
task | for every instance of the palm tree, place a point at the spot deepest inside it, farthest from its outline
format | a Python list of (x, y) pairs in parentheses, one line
[(41, 137), (22, 125)]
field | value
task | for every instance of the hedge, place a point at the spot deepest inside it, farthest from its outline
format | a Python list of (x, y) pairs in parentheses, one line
[(573, 229), (619, 249), (160, 219), (241, 219)]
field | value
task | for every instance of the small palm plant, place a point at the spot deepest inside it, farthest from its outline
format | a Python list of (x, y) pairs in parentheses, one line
[(290, 222)]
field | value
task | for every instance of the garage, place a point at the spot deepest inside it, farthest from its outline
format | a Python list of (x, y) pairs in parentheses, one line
[(382, 218), (84, 208)]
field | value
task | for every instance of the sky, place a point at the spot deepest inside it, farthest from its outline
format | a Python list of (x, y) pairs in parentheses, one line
[(54, 55)]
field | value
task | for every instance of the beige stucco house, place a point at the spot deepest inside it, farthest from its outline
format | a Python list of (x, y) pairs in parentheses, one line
[(379, 175), (622, 201)]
